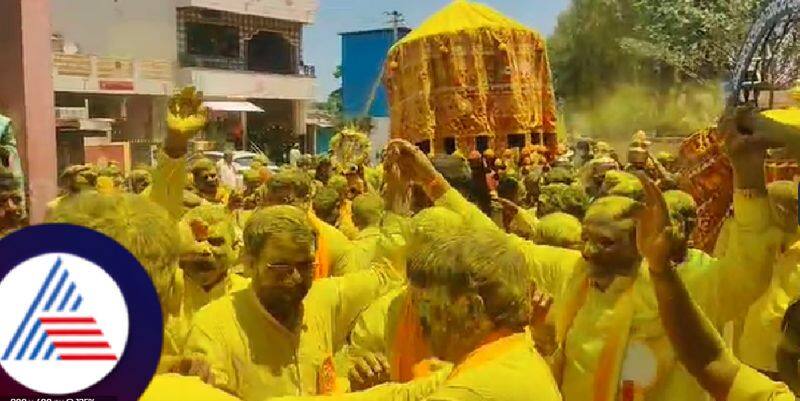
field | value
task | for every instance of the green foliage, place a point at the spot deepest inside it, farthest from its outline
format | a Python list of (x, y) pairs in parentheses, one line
[(698, 39), (334, 105), (584, 50), (624, 65)]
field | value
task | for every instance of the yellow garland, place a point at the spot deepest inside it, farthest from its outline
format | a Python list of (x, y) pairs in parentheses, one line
[(350, 147)]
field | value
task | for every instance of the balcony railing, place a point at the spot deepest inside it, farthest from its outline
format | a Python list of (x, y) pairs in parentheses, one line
[(237, 64), (308, 70)]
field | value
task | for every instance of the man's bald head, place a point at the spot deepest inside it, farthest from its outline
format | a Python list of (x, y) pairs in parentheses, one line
[(368, 210)]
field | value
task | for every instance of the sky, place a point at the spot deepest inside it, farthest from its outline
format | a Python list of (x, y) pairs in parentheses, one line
[(323, 46)]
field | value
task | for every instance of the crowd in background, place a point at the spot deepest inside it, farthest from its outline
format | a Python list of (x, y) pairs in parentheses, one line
[(516, 275)]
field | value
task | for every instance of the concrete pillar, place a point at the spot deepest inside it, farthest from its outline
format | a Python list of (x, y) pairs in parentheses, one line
[(243, 118), (299, 120), (26, 95)]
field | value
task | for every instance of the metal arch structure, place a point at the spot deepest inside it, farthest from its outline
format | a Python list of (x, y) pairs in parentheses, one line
[(768, 60)]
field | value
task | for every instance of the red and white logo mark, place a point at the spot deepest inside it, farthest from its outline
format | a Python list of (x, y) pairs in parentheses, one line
[(73, 329)]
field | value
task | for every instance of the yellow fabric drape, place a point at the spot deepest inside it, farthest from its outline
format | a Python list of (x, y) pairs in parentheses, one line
[(469, 71)]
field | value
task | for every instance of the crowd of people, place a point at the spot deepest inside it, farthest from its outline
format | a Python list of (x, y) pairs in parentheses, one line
[(476, 276)]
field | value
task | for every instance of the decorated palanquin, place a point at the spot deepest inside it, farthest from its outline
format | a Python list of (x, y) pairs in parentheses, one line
[(706, 173), (467, 72), (780, 168)]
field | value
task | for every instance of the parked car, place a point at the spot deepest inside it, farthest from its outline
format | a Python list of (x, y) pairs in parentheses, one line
[(241, 160)]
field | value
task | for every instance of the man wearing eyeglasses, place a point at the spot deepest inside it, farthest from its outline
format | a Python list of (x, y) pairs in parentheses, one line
[(278, 336)]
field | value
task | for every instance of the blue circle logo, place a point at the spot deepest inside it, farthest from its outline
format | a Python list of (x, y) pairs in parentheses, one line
[(81, 316)]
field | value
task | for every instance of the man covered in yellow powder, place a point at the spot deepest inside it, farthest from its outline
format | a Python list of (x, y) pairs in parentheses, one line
[(472, 299), (143, 228), (278, 336), (148, 232), (208, 250), (207, 183), (389, 330), (697, 344), (368, 218), (761, 332), (604, 306), (12, 213), (560, 230), (74, 180), (293, 187), (138, 180)]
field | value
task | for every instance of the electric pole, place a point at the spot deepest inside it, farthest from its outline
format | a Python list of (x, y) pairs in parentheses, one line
[(396, 19)]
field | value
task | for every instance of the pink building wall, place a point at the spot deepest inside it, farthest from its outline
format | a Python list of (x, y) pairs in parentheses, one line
[(26, 95)]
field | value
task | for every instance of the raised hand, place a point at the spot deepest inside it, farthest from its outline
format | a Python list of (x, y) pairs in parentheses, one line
[(543, 334), (185, 118), (412, 162), (186, 112), (653, 231), (510, 209)]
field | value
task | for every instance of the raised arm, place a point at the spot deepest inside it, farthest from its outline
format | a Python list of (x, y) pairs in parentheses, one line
[(753, 237), (185, 118), (347, 296), (549, 267), (695, 340)]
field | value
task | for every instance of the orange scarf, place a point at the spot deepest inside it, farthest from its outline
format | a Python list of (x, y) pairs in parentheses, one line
[(326, 378), (322, 255), (494, 346), (410, 348)]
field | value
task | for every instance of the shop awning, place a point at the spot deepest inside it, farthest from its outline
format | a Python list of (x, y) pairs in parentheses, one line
[(232, 106)]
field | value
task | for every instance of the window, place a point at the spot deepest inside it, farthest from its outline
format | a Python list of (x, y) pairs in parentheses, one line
[(516, 141), (425, 146), (212, 40), (270, 52), (482, 143), (449, 145)]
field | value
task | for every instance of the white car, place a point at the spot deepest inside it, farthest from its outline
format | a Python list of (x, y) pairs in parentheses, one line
[(241, 160)]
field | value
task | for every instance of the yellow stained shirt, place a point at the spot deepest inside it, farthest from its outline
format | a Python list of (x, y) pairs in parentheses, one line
[(253, 356), (749, 385), (172, 387), (515, 374), (384, 244), (581, 326), (761, 333), (193, 299), (345, 223), (375, 327), (338, 244)]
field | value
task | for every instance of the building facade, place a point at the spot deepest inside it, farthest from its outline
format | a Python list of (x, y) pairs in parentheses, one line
[(121, 61), (363, 94)]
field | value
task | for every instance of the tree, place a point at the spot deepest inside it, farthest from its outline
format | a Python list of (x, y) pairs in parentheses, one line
[(585, 52), (700, 40), (334, 105), (624, 65)]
